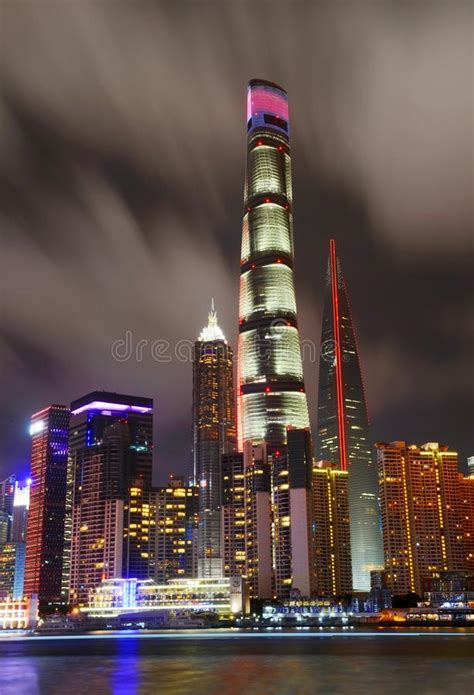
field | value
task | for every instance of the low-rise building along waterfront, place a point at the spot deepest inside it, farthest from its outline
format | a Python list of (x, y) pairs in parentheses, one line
[(224, 596)]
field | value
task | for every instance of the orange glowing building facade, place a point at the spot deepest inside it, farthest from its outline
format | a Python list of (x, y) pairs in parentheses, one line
[(422, 529), (331, 571), (466, 510)]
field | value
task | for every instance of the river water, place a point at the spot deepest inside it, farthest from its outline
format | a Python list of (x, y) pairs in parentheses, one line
[(240, 663)]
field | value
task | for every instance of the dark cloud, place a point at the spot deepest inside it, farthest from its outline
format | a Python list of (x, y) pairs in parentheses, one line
[(123, 153)]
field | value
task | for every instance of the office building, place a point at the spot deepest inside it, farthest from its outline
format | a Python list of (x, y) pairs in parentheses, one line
[(470, 465), (7, 494), (258, 528), (422, 531), (7, 568), (12, 569), (291, 515), (271, 394), (111, 441), (466, 512), (343, 435), (66, 573), (45, 530), (233, 514), (214, 434), (21, 504), (330, 531), (176, 519), (5, 526)]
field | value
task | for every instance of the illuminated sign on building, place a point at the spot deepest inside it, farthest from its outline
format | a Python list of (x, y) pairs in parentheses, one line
[(36, 427), (22, 494)]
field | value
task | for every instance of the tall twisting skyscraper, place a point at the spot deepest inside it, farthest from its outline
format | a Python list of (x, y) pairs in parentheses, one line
[(214, 435), (271, 388), (343, 424)]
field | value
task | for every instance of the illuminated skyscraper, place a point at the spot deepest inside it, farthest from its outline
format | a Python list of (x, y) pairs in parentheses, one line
[(291, 505), (271, 388), (21, 504), (258, 520), (111, 442), (12, 569), (7, 493), (45, 531), (176, 516), (233, 514), (466, 510), (343, 425), (330, 533), (421, 513), (214, 435)]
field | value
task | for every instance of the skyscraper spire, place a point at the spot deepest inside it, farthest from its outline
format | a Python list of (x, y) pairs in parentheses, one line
[(271, 388), (212, 330), (343, 425)]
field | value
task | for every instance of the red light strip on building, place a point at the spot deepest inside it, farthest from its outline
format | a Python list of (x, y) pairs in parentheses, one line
[(335, 323)]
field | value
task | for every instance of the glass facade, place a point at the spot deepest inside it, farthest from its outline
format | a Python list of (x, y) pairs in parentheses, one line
[(109, 531), (47, 511), (343, 426), (271, 386)]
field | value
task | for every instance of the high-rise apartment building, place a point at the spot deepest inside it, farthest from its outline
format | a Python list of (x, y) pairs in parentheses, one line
[(45, 530), (330, 531), (233, 515), (466, 511), (422, 531), (111, 442), (271, 394), (176, 516), (214, 434), (343, 424)]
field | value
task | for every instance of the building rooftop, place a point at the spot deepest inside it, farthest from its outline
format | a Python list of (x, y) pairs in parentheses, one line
[(107, 400), (212, 331)]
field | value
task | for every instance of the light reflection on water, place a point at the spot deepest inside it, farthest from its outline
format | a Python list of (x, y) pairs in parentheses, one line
[(214, 669)]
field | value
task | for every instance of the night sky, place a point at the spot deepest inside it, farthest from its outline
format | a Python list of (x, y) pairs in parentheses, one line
[(123, 136)]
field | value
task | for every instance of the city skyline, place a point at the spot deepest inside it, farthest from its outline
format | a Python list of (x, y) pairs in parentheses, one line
[(402, 230), (276, 494)]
